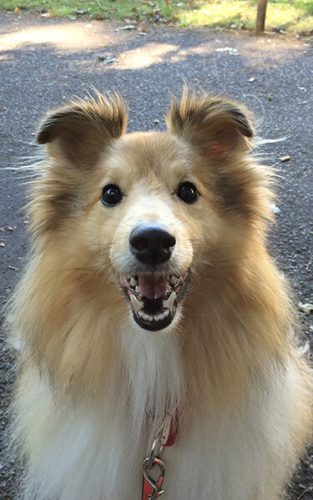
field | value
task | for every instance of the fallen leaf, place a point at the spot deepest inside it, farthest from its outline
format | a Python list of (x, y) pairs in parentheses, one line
[(80, 12), (110, 60), (285, 158), (275, 209), (106, 59), (306, 308), (128, 27), (230, 50), (143, 28)]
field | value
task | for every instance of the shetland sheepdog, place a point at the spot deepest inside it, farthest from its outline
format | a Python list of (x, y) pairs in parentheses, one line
[(151, 313)]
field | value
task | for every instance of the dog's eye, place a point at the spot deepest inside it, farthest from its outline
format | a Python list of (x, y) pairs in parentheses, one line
[(111, 195), (187, 192)]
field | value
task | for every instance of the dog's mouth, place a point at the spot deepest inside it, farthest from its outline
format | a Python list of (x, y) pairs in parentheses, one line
[(153, 297)]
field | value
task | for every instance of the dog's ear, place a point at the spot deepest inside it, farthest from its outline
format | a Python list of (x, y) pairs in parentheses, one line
[(80, 131), (217, 127)]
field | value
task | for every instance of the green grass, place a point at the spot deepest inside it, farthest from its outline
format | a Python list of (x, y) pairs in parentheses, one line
[(288, 15), (109, 9), (294, 16)]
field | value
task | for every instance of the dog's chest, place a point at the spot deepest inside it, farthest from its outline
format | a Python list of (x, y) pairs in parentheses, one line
[(215, 456), (210, 460), (204, 449)]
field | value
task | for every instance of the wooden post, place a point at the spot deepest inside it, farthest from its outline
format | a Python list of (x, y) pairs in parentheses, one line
[(260, 18)]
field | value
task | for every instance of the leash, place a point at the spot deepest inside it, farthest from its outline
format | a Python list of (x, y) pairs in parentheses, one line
[(153, 467)]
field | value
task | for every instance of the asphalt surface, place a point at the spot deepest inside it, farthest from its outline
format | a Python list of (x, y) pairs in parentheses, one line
[(45, 62)]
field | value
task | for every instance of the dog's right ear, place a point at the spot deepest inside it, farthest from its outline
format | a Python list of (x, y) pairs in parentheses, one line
[(81, 131)]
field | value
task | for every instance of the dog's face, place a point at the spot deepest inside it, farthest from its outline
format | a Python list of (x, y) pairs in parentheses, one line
[(150, 212), (144, 223)]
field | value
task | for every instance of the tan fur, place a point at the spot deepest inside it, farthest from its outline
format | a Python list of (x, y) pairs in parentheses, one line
[(236, 336)]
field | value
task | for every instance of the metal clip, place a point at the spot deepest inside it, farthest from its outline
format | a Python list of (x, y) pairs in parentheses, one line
[(165, 429), (152, 488), (155, 452)]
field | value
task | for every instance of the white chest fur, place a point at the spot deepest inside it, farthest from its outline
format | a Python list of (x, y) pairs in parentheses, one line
[(90, 454)]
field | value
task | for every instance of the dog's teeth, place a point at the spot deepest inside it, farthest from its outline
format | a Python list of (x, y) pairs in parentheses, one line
[(137, 304), (173, 280), (133, 282), (145, 316), (160, 316), (170, 301)]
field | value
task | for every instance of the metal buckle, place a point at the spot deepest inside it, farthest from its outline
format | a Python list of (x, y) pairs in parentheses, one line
[(152, 488)]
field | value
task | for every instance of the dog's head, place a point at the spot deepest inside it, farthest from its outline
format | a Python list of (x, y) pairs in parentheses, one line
[(148, 213)]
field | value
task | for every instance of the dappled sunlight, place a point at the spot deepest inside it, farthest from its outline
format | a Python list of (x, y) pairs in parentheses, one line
[(110, 41), (69, 36), (255, 52), (242, 13), (145, 56), (5, 58), (267, 52), (200, 50), (217, 14), (156, 53)]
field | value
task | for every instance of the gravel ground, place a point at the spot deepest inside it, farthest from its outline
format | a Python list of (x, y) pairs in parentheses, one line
[(46, 61)]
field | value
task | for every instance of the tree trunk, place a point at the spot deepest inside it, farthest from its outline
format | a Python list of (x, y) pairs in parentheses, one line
[(260, 18)]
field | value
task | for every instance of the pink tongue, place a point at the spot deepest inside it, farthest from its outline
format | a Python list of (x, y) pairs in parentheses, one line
[(152, 285)]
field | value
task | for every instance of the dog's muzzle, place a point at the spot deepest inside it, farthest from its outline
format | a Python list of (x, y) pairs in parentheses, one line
[(151, 244), (152, 289)]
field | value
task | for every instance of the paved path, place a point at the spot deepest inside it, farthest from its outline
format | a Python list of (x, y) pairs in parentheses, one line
[(44, 62)]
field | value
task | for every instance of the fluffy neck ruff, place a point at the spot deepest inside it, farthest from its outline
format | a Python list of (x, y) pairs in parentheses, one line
[(155, 377)]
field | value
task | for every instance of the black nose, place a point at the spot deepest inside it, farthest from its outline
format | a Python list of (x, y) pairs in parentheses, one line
[(151, 243)]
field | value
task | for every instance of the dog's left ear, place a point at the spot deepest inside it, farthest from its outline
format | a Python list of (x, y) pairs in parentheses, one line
[(80, 131), (217, 127)]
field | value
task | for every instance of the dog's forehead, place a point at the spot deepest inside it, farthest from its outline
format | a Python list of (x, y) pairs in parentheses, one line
[(141, 152)]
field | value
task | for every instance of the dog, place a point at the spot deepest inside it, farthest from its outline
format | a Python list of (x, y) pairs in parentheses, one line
[(158, 346)]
